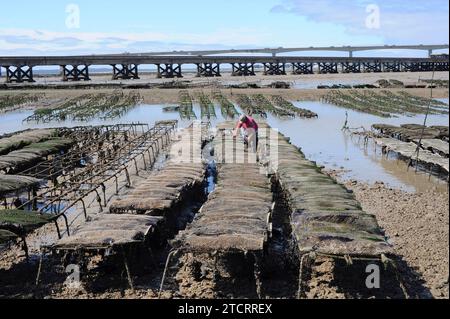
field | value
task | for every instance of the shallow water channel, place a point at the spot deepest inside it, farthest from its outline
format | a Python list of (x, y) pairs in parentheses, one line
[(320, 139)]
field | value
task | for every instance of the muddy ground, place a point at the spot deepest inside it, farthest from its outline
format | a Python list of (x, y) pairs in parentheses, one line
[(417, 224), (170, 96)]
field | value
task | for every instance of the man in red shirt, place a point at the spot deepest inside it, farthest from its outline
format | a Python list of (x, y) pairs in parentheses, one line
[(250, 131)]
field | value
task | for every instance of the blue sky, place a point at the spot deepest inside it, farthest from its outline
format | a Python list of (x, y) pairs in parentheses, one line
[(39, 27)]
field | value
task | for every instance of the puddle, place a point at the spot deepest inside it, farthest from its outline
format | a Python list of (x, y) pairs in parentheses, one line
[(12, 121), (323, 141), (211, 170), (320, 139)]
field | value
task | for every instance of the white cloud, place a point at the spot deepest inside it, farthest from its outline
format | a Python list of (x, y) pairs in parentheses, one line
[(402, 22)]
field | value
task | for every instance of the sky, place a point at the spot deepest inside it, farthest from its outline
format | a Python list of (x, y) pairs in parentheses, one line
[(50, 27)]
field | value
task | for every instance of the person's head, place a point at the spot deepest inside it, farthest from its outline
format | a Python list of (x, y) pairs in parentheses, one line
[(243, 118)]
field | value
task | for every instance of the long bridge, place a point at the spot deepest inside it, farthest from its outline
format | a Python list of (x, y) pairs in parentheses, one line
[(275, 51), (169, 64)]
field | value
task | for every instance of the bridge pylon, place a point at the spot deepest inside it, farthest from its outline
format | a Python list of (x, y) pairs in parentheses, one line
[(208, 69), (75, 73), (274, 68), (19, 74), (302, 68), (372, 67), (392, 67), (169, 70), (328, 68), (243, 69), (125, 71), (351, 67)]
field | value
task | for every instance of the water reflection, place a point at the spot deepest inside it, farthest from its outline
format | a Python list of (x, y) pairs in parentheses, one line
[(323, 141), (320, 139)]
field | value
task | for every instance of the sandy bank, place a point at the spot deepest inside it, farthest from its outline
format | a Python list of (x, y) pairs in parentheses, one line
[(418, 227)]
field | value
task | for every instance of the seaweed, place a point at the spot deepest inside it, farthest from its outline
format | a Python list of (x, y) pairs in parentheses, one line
[(262, 102), (249, 107), (281, 103), (227, 108), (186, 109), (384, 103), (11, 101), (22, 222), (88, 106), (206, 106)]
